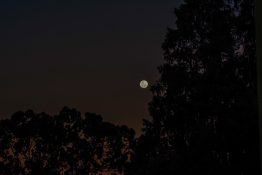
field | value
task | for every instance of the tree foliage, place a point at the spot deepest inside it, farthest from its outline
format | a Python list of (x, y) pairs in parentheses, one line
[(67, 143), (204, 111)]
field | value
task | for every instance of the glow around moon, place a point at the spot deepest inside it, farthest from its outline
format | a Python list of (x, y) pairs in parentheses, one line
[(143, 84)]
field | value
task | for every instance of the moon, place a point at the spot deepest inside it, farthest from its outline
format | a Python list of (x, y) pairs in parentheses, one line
[(143, 84)]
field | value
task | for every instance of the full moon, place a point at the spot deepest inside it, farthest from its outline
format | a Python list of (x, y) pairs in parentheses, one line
[(143, 84)]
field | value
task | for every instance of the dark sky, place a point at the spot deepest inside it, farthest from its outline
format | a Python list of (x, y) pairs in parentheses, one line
[(89, 55)]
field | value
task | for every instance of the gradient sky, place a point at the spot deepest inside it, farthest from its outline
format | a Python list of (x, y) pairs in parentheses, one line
[(89, 55)]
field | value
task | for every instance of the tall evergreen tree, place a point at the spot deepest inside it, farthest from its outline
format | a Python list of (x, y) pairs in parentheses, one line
[(204, 111)]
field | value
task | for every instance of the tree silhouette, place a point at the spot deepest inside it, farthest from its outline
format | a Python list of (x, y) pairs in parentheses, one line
[(204, 111), (67, 143)]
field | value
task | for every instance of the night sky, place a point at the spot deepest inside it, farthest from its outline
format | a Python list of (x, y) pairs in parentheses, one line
[(88, 55)]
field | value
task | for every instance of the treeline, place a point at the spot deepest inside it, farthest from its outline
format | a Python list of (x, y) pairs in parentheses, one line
[(67, 143)]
